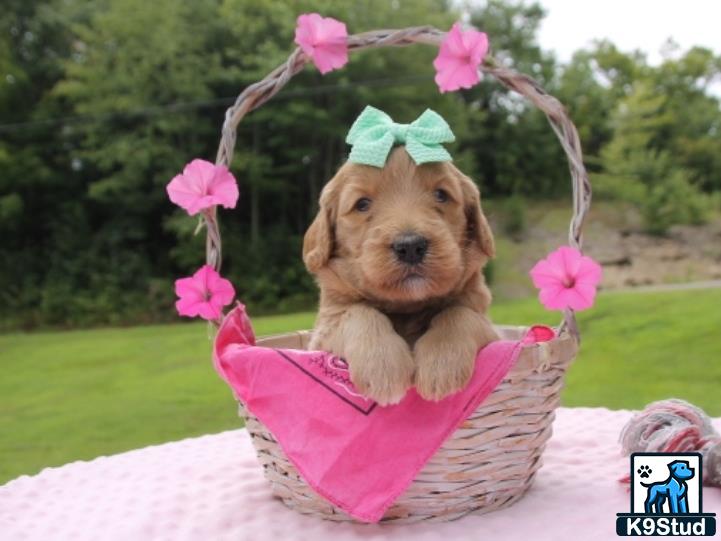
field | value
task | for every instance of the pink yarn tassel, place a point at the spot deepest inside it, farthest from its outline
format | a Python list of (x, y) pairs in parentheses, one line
[(671, 426)]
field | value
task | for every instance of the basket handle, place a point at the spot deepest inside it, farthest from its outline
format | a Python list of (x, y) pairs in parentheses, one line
[(258, 93)]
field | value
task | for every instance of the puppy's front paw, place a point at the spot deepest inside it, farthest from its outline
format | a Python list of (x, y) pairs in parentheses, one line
[(381, 370), (442, 367)]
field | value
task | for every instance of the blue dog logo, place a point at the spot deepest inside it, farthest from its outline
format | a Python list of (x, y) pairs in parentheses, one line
[(670, 507), (674, 490)]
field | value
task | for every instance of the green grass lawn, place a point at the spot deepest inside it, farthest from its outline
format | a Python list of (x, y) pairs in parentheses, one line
[(79, 394)]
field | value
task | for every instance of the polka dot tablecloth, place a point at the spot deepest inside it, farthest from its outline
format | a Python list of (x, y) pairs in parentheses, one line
[(212, 488)]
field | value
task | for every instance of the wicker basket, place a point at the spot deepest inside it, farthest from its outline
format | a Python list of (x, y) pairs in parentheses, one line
[(491, 460)]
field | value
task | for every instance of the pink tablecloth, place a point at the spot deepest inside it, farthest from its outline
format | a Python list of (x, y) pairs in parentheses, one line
[(211, 488)]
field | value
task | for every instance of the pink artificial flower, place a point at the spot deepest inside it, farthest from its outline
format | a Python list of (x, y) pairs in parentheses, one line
[(459, 56), (204, 294), (203, 185), (567, 279), (324, 40)]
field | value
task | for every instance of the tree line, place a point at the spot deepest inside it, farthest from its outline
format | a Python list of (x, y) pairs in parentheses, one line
[(103, 101)]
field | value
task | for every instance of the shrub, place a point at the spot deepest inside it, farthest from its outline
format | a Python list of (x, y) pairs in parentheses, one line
[(662, 191), (674, 200), (515, 211)]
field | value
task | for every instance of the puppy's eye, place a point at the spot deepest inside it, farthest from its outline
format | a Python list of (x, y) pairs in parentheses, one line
[(362, 205), (440, 195)]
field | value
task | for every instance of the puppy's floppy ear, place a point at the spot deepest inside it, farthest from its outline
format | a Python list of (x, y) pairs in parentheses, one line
[(478, 229), (318, 240)]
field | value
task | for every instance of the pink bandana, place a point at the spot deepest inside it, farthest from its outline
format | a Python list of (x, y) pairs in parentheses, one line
[(354, 453)]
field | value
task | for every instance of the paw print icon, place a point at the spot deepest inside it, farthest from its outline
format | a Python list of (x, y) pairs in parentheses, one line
[(644, 471)]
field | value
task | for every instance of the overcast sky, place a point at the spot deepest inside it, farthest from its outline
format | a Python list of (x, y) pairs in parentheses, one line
[(630, 24)]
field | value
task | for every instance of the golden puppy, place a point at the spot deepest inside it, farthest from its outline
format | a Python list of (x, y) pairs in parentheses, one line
[(397, 252)]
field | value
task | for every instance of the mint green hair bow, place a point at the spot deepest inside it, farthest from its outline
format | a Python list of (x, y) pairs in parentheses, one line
[(374, 133)]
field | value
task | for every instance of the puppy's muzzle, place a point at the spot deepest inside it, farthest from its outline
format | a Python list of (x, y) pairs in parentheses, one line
[(410, 248)]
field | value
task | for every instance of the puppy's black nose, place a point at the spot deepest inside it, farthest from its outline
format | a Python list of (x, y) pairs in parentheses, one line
[(410, 248)]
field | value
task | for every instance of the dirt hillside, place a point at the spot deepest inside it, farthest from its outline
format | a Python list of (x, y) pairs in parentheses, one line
[(613, 236)]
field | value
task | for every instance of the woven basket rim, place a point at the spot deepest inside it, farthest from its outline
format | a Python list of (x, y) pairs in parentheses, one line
[(540, 355)]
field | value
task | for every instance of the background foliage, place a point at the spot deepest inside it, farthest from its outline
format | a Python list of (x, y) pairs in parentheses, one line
[(103, 101)]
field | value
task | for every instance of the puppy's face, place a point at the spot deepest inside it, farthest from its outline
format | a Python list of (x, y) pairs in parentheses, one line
[(403, 233)]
